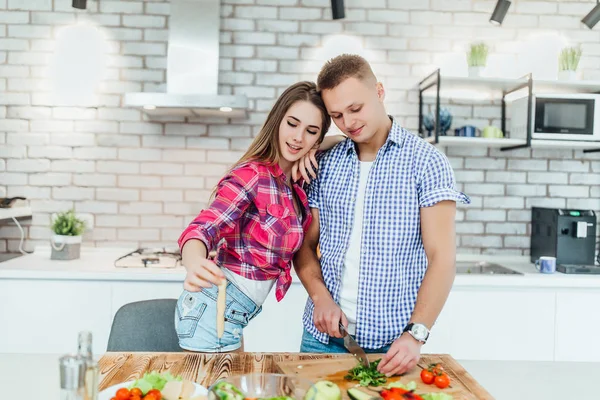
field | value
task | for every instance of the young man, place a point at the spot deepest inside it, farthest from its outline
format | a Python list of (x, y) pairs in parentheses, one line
[(383, 208)]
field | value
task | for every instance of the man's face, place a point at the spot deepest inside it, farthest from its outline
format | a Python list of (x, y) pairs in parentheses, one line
[(356, 108)]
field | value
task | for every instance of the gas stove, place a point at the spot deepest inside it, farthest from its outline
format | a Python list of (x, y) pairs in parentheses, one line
[(146, 257)]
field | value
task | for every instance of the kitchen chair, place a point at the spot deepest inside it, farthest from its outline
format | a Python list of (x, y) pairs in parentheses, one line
[(145, 326)]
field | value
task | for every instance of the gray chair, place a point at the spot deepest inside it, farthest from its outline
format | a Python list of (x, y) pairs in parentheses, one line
[(145, 326)]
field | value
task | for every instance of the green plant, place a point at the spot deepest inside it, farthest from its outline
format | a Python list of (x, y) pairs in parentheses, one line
[(569, 57), (477, 55), (67, 224)]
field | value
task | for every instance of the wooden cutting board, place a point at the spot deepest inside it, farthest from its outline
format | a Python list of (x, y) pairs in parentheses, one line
[(462, 385)]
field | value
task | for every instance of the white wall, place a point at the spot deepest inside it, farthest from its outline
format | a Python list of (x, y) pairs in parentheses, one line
[(142, 181)]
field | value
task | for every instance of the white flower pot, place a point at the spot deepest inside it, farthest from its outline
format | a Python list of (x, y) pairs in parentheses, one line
[(65, 247), (475, 72), (567, 75)]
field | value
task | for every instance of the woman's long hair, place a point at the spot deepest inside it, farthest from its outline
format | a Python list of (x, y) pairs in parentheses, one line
[(265, 146)]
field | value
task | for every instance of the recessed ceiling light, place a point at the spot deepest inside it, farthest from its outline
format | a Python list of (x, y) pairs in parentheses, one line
[(226, 109), (149, 107)]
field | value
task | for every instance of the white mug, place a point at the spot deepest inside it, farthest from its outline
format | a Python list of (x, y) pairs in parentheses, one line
[(546, 265)]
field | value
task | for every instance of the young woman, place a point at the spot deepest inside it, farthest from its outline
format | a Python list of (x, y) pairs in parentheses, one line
[(257, 222)]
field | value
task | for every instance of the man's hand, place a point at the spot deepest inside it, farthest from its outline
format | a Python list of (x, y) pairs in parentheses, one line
[(327, 317), (403, 355)]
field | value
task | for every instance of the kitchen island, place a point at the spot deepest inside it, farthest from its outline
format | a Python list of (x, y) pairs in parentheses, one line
[(527, 317)]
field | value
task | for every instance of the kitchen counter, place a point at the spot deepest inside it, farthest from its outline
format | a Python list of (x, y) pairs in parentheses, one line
[(98, 264), (36, 376)]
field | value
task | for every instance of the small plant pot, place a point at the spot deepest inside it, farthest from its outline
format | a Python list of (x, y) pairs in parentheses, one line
[(475, 72), (567, 75), (65, 247)]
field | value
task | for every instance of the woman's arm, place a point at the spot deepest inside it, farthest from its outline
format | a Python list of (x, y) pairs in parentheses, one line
[(304, 166)]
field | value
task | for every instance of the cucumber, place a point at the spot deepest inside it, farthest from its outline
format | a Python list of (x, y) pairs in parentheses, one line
[(357, 394)]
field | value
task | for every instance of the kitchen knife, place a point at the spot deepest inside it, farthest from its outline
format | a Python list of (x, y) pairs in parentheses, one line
[(353, 347)]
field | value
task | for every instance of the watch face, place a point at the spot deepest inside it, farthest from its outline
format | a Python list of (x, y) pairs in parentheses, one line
[(420, 331)]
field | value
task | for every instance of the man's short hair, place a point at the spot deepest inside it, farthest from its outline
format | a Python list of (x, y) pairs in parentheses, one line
[(342, 67)]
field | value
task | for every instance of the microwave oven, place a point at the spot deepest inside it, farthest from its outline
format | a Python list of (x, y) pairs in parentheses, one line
[(572, 116)]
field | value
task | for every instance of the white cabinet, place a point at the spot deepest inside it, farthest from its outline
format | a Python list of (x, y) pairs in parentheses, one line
[(494, 324), (39, 316), (577, 326)]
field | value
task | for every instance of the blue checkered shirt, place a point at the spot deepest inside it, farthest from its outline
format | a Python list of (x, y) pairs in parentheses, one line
[(407, 174)]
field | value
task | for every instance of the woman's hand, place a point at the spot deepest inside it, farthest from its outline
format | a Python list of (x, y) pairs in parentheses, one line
[(201, 272), (304, 166)]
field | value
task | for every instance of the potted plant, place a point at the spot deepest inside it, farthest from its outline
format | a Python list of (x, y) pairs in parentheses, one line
[(477, 58), (568, 61), (66, 241)]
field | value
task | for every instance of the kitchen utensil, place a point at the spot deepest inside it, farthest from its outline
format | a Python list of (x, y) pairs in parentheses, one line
[(353, 347), (266, 386)]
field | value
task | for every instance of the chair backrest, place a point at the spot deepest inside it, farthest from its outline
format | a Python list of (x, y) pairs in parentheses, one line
[(147, 326)]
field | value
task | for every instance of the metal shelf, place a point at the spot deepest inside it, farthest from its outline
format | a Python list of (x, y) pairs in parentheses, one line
[(502, 88)]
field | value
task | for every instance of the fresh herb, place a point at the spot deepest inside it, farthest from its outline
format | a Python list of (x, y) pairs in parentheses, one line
[(367, 376)]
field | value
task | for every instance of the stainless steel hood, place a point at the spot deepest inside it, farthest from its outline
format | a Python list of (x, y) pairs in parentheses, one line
[(192, 67)]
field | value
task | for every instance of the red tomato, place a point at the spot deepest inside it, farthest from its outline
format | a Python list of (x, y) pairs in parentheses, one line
[(135, 398), (136, 392), (427, 376), (442, 381), (156, 393), (123, 394)]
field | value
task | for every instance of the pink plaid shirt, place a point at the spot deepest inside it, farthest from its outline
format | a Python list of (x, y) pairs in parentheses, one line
[(253, 221)]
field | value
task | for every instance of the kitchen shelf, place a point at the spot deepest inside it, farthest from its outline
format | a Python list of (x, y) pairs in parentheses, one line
[(487, 88), (17, 212), (474, 141)]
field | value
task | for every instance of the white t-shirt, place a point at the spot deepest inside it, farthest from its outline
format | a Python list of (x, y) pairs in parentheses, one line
[(351, 273), (256, 290)]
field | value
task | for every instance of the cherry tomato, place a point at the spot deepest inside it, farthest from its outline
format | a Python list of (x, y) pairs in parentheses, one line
[(151, 396), (123, 394), (136, 392), (442, 381), (156, 393), (113, 398), (135, 398), (427, 376), (437, 369)]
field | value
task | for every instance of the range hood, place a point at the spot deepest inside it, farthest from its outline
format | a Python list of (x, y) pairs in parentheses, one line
[(192, 67)]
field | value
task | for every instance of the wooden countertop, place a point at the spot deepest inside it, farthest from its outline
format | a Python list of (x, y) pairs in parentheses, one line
[(205, 369)]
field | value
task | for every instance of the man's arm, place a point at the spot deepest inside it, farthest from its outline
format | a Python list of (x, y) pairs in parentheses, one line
[(438, 233), (327, 314)]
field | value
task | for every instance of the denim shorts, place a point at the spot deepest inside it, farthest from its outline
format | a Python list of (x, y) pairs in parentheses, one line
[(196, 319)]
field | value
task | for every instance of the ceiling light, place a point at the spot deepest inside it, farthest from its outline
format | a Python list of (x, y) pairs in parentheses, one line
[(226, 109), (79, 4), (149, 107), (337, 9), (593, 16), (500, 12)]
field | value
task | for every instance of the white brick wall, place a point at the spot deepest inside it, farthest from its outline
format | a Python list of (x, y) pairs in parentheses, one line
[(142, 179)]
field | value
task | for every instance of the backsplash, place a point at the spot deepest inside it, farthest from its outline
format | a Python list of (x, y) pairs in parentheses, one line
[(141, 181)]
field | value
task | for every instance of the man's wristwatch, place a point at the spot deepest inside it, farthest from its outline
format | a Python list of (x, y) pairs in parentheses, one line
[(418, 331)]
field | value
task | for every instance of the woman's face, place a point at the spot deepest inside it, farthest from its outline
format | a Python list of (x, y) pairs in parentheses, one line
[(299, 131)]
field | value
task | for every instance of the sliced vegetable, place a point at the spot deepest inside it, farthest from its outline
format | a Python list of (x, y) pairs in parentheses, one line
[(357, 394), (436, 396), (367, 376), (154, 380), (227, 391), (412, 385)]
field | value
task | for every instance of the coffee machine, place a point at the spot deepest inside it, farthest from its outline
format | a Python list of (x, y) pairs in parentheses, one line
[(567, 234)]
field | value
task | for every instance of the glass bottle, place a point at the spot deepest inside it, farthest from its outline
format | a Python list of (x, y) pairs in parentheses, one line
[(91, 366)]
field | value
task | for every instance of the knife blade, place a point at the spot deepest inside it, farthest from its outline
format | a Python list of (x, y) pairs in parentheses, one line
[(353, 347)]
